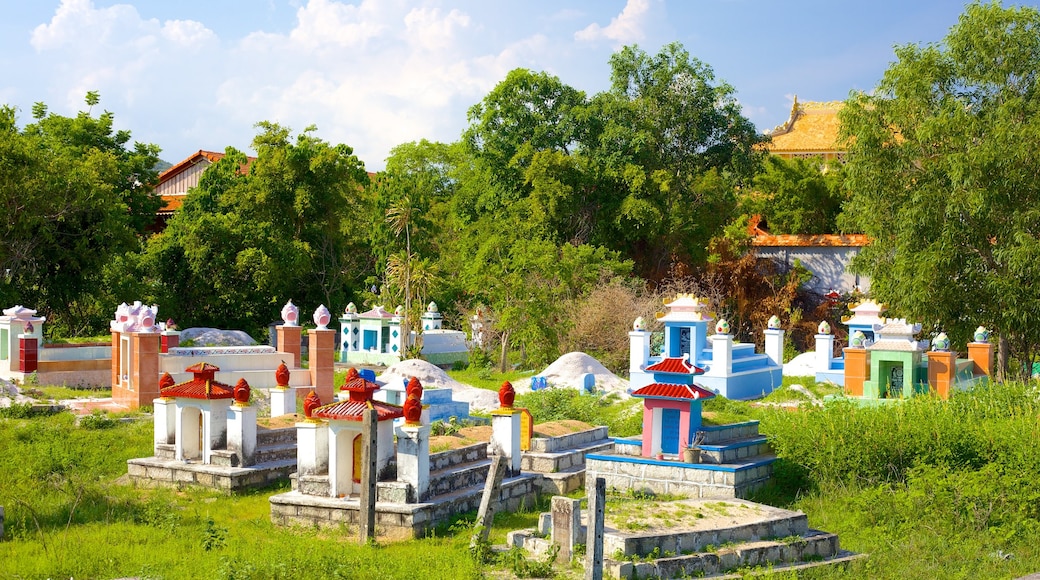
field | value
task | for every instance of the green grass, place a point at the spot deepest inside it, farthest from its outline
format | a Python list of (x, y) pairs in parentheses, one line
[(785, 394), (57, 393), (486, 378)]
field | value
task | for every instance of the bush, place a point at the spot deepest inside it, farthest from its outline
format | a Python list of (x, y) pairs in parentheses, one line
[(98, 419)]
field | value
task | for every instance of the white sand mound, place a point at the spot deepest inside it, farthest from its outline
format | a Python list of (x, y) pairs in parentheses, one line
[(803, 365), (431, 375), (567, 371)]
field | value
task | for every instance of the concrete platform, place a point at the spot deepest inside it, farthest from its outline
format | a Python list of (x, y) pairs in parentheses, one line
[(156, 472)]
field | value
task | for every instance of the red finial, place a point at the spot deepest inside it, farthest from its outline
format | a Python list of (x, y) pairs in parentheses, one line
[(506, 395), (241, 392), (311, 403), (281, 375), (165, 381), (413, 410), (351, 375), (414, 387)]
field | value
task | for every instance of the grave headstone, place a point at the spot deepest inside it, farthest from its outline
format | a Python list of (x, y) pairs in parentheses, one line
[(566, 524)]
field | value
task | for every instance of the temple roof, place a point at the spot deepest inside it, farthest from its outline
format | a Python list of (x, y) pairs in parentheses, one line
[(812, 127), (377, 312), (670, 391), (686, 308), (201, 386), (676, 365)]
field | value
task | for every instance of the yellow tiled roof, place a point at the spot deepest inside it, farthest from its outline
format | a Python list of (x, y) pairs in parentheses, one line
[(813, 126)]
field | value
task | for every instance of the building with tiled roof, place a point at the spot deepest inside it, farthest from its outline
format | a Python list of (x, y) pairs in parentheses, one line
[(810, 131), (175, 182)]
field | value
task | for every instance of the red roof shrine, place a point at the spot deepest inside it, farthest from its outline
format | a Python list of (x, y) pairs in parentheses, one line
[(360, 400), (202, 386), (670, 391), (677, 365)]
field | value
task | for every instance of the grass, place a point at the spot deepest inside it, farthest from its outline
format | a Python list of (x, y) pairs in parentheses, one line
[(486, 378), (61, 392)]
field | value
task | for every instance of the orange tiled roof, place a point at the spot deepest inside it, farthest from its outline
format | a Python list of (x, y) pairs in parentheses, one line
[(810, 240), (813, 126)]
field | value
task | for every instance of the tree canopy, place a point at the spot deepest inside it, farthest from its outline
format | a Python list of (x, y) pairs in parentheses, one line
[(943, 166)]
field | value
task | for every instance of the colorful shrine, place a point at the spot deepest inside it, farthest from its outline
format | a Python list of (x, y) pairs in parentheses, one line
[(671, 407)]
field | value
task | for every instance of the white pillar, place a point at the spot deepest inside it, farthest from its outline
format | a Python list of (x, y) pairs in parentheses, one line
[(413, 459), (349, 335), (775, 345), (638, 350), (824, 352), (312, 448), (241, 433), (283, 401), (721, 356), (215, 428), (164, 414), (505, 437), (398, 341)]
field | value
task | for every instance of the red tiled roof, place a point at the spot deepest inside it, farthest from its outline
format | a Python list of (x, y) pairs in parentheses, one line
[(678, 365), (670, 391), (201, 386), (355, 410), (810, 240)]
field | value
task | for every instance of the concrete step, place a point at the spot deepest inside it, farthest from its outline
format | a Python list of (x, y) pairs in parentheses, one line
[(276, 452), (459, 476), (266, 437), (812, 546), (735, 450), (564, 459), (562, 482)]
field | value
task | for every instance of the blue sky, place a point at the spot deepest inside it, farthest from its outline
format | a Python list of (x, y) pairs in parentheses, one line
[(195, 74)]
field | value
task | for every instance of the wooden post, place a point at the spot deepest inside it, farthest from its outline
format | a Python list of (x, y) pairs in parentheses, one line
[(489, 501), (368, 476), (594, 536)]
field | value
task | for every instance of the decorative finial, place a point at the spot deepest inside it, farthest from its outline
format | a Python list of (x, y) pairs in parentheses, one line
[(639, 323), (774, 323), (981, 334), (322, 317), (941, 342), (241, 392), (165, 381), (351, 308), (29, 327), (858, 339), (413, 404), (399, 311), (722, 327), (170, 324), (290, 314), (432, 308), (823, 328), (281, 375), (506, 395), (311, 403)]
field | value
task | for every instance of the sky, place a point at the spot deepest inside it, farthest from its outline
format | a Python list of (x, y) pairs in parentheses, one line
[(199, 74)]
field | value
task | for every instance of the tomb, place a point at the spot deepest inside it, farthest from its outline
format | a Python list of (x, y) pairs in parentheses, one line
[(206, 434), (732, 370), (376, 337)]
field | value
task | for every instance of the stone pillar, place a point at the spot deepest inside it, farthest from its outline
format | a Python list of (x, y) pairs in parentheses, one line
[(505, 437), (115, 361), (28, 353), (350, 335), (566, 525), (857, 370), (289, 342), (775, 345), (413, 459), (312, 448), (638, 350), (981, 353), (721, 356), (322, 361), (241, 433), (170, 339), (215, 430), (283, 401), (398, 342), (824, 352), (942, 371), (164, 413), (144, 368)]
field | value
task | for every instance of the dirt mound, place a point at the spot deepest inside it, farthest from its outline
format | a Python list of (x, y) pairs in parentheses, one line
[(431, 375), (567, 371)]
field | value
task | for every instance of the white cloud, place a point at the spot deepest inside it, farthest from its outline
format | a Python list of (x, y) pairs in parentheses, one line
[(625, 28)]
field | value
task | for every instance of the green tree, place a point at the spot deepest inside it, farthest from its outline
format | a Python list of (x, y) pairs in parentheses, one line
[(245, 242), (797, 196), (76, 195), (943, 167)]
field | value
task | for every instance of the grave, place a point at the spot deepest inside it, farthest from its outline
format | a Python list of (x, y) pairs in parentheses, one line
[(376, 337)]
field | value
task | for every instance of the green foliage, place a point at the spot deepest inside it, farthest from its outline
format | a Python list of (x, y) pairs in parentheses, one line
[(622, 418), (941, 166), (98, 419), (77, 196), (797, 196), (244, 243)]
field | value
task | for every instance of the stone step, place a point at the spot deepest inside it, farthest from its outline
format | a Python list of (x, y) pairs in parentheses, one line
[(568, 441), (276, 452), (456, 477), (470, 453), (564, 459), (562, 482), (693, 480), (265, 437), (735, 450), (811, 546)]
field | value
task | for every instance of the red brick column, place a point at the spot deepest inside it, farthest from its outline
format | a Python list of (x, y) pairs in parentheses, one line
[(144, 371), (28, 354), (322, 357), (981, 353), (942, 370), (289, 343)]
